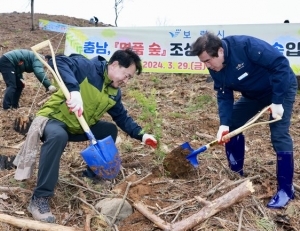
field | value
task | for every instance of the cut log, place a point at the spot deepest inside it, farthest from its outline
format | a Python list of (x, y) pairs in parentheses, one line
[(223, 202), (36, 225)]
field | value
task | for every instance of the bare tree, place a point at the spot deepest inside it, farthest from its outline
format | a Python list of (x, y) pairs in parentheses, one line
[(162, 22), (32, 15), (118, 7)]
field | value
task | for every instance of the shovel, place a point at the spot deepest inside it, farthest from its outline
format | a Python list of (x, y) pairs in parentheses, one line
[(102, 155), (192, 156)]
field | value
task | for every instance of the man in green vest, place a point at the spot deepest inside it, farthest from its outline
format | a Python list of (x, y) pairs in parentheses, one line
[(94, 90), (12, 66)]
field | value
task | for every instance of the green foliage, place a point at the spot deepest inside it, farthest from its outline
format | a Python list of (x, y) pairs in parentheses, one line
[(178, 115), (6, 43), (199, 102), (149, 118), (155, 79), (265, 224), (127, 146)]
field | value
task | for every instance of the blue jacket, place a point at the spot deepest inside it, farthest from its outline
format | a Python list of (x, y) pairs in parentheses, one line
[(252, 67), (90, 78)]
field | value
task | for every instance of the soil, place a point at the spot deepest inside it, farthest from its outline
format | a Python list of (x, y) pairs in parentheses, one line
[(176, 163), (187, 109)]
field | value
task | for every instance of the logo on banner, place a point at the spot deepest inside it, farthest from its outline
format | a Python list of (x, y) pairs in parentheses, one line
[(176, 33)]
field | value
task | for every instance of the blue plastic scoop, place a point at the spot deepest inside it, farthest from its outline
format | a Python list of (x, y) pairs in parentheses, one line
[(192, 157)]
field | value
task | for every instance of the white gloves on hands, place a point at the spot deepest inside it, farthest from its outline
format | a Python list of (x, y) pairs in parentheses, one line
[(223, 130), (277, 110), (75, 102), (149, 140), (52, 89)]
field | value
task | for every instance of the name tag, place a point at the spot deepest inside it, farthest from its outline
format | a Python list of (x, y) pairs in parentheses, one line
[(243, 76)]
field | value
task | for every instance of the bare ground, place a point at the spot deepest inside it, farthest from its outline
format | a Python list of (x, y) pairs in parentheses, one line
[(186, 112)]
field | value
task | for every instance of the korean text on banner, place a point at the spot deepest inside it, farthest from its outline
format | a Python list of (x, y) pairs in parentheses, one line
[(167, 49)]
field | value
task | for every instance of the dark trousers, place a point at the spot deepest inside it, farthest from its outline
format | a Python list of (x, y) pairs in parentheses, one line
[(55, 139), (14, 86), (244, 109)]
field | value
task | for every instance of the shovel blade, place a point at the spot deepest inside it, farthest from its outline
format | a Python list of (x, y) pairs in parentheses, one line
[(103, 158), (190, 157), (186, 145)]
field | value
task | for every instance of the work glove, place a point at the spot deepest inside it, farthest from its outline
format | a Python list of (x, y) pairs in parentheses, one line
[(149, 140), (23, 83), (223, 130), (75, 103), (277, 110), (52, 89)]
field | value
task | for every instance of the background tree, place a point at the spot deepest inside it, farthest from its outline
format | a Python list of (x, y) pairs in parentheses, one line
[(32, 15), (118, 7), (163, 22)]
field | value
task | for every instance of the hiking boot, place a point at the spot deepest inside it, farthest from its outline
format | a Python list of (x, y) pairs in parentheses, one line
[(40, 210)]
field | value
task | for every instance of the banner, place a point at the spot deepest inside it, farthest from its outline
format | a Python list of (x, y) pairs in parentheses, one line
[(167, 49), (53, 26)]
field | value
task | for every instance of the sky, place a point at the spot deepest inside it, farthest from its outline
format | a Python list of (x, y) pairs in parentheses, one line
[(136, 13)]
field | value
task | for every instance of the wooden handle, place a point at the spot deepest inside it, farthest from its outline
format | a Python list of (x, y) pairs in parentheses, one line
[(250, 124), (57, 77)]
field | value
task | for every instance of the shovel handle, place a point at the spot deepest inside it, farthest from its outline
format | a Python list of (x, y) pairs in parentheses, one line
[(251, 124), (61, 83)]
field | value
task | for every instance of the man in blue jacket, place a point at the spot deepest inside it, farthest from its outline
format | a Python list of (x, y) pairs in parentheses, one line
[(264, 77), (12, 66), (94, 87)]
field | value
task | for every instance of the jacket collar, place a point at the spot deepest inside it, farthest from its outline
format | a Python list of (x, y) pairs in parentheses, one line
[(226, 51), (107, 81)]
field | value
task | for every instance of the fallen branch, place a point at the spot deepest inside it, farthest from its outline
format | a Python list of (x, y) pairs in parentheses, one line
[(214, 189), (8, 175), (91, 206), (14, 189), (121, 204), (238, 182), (203, 201), (152, 217), (87, 225), (234, 223), (223, 202), (88, 189), (36, 225), (240, 220), (175, 206)]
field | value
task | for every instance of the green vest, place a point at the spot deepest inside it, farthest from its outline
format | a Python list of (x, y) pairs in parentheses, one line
[(95, 104)]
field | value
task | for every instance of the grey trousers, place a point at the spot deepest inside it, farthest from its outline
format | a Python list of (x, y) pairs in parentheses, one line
[(55, 139)]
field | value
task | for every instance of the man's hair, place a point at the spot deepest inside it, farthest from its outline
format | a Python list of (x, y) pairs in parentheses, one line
[(48, 57), (126, 58), (208, 42)]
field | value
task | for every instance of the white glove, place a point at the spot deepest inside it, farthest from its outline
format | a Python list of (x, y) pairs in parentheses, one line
[(223, 130), (277, 110), (75, 102), (52, 89), (149, 140)]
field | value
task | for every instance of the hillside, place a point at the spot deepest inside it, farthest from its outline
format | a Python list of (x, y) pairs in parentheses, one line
[(177, 108)]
